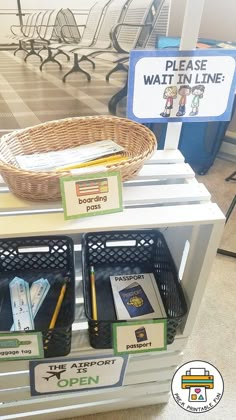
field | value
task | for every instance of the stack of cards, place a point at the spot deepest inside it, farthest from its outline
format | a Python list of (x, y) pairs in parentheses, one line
[(137, 296)]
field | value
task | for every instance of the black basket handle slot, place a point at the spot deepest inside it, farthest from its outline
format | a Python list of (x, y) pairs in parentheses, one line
[(37, 253), (126, 243), (32, 249)]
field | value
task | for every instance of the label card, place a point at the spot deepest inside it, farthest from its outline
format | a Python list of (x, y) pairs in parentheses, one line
[(171, 86), (91, 194), (139, 337), (136, 296), (83, 373), (14, 346)]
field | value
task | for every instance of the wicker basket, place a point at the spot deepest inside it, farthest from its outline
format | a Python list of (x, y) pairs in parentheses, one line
[(138, 141)]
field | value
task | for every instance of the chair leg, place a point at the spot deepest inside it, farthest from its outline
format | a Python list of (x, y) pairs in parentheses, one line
[(50, 58), (76, 69), (228, 214), (231, 177), (115, 99), (118, 67), (64, 53), (20, 48), (84, 58), (32, 52), (230, 209), (42, 48)]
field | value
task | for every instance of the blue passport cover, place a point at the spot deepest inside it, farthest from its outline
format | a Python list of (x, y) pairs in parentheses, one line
[(135, 300)]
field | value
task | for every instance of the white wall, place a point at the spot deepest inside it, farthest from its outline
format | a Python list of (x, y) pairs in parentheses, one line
[(218, 20), (46, 4), (219, 16), (176, 17), (10, 6), (54, 4)]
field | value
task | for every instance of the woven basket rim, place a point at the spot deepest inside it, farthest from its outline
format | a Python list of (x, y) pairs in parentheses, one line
[(63, 120), (4, 166)]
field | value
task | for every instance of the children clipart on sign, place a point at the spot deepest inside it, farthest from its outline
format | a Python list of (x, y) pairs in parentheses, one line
[(197, 92), (183, 91), (170, 93)]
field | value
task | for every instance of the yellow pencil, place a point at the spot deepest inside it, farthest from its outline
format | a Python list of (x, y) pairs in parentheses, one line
[(93, 294), (58, 307), (109, 161), (55, 314)]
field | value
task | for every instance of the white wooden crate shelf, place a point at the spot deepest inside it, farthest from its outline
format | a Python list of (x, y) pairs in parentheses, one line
[(165, 195)]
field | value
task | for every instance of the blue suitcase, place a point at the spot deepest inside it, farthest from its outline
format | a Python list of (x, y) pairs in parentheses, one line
[(199, 142)]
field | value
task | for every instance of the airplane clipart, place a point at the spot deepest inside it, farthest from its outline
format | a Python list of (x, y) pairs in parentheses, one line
[(53, 374)]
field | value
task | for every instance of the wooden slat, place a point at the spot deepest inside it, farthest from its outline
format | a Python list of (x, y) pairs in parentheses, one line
[(191, 181), (152, 375), (79, 312), (154, 361), (135, 372), (22, 392), (84, 409), (177, 170), (206, 241), (166, 156), (2, 182), (162, 194), (154, 172), (80, 347), (84, 402), (47, 224), (132, 195), (14, 377), (3, 189), (10, 202)]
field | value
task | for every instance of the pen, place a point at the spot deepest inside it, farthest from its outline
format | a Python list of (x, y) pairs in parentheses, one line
[(109, 161), (93, 293)]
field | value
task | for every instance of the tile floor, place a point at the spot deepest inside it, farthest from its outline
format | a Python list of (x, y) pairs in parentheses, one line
[(29, 96)]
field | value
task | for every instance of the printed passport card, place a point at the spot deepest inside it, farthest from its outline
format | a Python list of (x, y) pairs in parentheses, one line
[(137, 296)]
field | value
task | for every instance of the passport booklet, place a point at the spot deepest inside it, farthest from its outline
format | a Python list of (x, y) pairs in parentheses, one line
[(137, 296)]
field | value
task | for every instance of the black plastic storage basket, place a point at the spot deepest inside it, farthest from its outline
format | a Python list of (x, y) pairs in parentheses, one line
[(32, 258), (123, 253)]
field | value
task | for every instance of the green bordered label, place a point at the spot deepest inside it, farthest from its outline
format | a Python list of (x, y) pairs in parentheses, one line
[(91, 194), (15, 346), (139, 337)]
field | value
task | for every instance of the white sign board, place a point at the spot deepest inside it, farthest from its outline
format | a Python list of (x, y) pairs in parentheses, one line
[(170, 86), (67, 375)]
